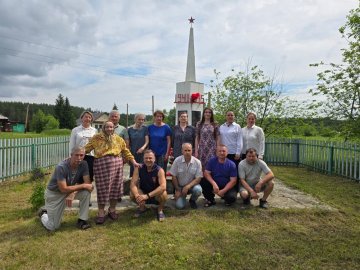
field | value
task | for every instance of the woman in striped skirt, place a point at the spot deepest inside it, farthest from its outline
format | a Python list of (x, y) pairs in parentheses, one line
[(108, 169)]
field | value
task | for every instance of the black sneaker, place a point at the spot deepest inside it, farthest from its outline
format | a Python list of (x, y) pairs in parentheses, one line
[(193, 204), (41, 212), (263, 204), (246, 201), (82, 224)]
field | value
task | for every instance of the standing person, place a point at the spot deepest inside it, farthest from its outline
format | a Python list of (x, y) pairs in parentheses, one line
[(231, 136), (186, 174), (80, 137), (108, 169), (220, 178), (207, 137), (66, 180), (120, 130), (148, 186), (139, 139), (250, 171), (182, 133), (160, 139), (253, 137)]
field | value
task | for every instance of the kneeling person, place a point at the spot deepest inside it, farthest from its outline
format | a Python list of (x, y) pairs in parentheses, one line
[(250, 170), (221, 178), (148, 185), (60, 190), (186, 175)]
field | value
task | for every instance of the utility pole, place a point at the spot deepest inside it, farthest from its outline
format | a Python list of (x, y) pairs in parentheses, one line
[(26, 119), (152, 100), (127, 115)]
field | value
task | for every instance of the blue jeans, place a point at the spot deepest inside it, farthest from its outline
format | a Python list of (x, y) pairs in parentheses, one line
[(195, 192)]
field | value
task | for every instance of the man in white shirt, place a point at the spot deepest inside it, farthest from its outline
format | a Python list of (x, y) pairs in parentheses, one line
[(186, 174)]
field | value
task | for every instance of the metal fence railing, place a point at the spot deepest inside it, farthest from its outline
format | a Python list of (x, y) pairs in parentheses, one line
[(19, 156), (327, 157)]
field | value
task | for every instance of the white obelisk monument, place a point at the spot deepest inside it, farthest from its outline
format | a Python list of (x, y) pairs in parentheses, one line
[(189, 95)]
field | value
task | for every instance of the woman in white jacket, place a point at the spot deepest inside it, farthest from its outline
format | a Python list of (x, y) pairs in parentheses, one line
[(253, 137)]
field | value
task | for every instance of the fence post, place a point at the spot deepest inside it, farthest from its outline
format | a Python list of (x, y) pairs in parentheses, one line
[(297, 147), (33, 158), (331, 159)]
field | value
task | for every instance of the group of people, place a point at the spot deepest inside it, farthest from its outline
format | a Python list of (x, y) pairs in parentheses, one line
[(208, 159)]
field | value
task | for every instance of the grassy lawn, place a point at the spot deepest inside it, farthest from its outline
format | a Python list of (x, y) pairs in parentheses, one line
[(46, 133), (206, 239)]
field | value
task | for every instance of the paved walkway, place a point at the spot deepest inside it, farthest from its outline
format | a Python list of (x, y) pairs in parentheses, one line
[(282, 197)]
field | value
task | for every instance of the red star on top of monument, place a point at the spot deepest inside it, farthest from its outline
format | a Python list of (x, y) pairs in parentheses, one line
[(191, 20)]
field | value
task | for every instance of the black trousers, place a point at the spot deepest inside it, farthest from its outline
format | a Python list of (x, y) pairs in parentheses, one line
[(90, 161), (208, 192)]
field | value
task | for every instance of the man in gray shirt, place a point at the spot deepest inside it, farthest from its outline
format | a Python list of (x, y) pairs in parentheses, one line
[(250, 170), (70, 180), (186, 174)]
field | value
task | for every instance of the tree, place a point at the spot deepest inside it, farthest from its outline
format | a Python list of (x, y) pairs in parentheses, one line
[(59, 109), (252, 91), (69, 118), (38, 122), (340, 83), (51, 122)]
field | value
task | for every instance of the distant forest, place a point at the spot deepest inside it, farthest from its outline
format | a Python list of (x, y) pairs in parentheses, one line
[(16, 111)]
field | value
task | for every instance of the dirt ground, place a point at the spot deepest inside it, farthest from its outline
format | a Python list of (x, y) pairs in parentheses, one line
[(282, 197)]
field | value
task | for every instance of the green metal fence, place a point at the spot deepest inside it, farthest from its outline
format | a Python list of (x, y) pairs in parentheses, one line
[(327, 157), (19, 156)]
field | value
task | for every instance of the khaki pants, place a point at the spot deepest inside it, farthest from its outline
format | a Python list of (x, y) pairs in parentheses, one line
[(55, 206)]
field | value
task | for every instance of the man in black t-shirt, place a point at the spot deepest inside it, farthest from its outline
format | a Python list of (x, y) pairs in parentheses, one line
[(148, 185)]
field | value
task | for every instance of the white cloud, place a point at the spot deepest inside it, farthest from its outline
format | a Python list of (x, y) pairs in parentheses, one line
[(83, 49)]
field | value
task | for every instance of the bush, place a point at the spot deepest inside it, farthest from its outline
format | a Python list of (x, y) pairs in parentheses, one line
[(37, 174), (37, 198)]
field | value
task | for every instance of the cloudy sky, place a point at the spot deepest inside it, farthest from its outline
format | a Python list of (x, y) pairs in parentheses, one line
[(98, 53)]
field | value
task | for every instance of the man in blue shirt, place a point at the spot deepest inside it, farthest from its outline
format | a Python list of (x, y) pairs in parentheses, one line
[(220, 178)]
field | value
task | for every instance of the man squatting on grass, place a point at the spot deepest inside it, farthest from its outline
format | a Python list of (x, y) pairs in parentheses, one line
[(220, 178), (71, 175), (186, 174), (250, 170), (148, 186)]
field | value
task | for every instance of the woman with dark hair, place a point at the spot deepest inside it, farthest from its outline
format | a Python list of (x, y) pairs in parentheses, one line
[(253, 137), (160, 139), (207, 137), (182, 133)]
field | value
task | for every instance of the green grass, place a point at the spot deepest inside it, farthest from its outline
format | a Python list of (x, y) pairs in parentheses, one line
[(45, 133), (203, 239)]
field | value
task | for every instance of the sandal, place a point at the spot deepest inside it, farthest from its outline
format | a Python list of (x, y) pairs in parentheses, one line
[(139, 212), (209, 203), (100, 220), (113, 215)]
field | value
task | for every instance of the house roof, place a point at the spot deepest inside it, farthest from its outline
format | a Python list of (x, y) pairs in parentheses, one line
[(3, 117)]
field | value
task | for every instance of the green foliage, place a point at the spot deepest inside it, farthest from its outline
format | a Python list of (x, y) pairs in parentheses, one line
[(37, 174), (51, 123), (253, 91), (38, 122), (340, 83), (64, 113), (37, 197)]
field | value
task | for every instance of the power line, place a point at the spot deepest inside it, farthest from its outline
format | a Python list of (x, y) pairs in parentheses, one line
[(90, 67), (84, 53)]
